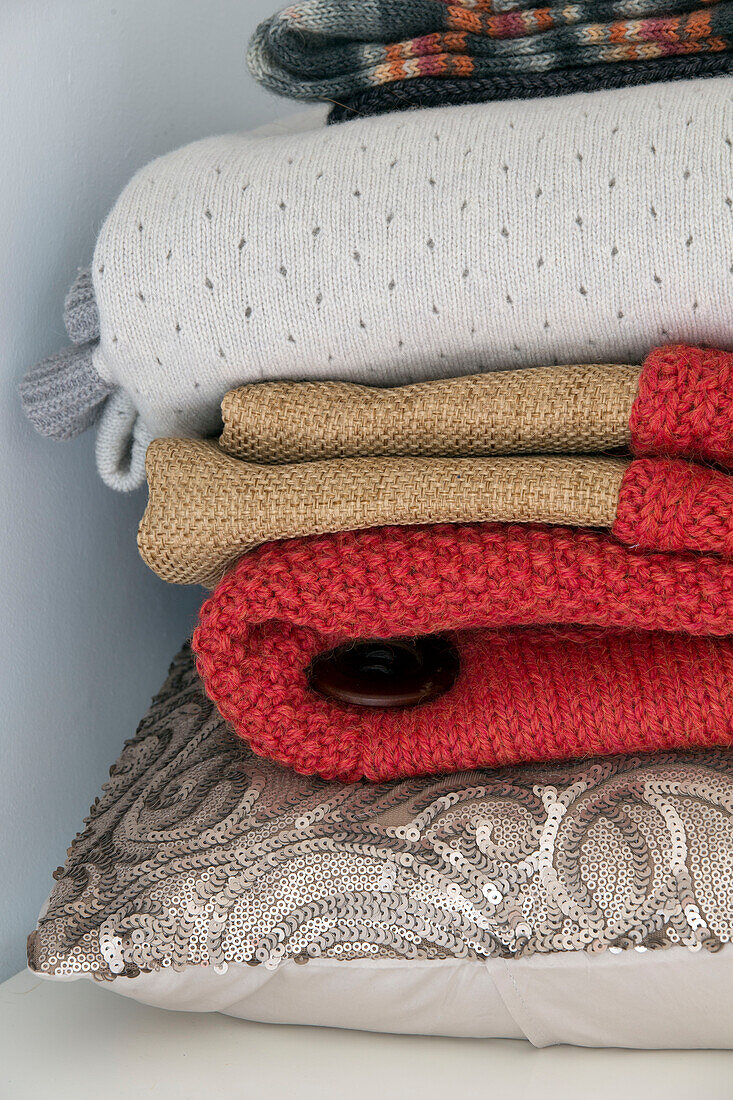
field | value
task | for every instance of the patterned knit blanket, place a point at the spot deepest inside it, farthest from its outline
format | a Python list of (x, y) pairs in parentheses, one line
[(394, 250), (567, 644), (365, 57)]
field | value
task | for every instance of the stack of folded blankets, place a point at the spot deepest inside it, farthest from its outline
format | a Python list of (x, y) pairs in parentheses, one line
[(455, 727)]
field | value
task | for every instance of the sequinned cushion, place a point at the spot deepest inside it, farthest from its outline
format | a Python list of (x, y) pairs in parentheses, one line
[(589, 902)]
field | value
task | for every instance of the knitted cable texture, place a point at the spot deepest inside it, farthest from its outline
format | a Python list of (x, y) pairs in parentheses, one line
[(441, 91), (337, 48), (679, 403), (523, 605), (415, 246)]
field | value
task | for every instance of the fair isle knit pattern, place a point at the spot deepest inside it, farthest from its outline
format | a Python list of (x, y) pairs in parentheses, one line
[(336, 49), (569, 645), (413, 246)]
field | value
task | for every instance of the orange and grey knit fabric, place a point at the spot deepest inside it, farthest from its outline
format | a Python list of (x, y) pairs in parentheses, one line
[(445, 452), (390, 54)]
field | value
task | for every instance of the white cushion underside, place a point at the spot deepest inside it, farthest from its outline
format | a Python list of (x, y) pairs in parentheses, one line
[(664, 999)]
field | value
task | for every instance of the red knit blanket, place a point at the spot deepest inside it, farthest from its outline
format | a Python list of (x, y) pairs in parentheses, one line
[(569, 643)]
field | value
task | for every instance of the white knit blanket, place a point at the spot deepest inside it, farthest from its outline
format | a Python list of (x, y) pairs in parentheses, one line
[(416, 245)]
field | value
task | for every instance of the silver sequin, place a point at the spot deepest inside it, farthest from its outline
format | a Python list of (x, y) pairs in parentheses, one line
[(200, 853)]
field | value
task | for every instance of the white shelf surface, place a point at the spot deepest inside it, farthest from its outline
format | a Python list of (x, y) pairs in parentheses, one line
[(78, 1040)]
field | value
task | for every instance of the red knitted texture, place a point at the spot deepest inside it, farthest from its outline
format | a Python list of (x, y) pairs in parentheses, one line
[(668, 504), (684, 405), (561, 635)]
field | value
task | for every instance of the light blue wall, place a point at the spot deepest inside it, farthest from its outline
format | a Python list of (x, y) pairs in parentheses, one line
[(89, 91)]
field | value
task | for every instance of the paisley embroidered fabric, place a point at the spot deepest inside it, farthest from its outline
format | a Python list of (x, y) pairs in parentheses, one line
[(200, 854)]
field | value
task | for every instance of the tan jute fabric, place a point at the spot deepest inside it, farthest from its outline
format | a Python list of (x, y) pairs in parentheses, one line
[(550, 410), (206, 508)]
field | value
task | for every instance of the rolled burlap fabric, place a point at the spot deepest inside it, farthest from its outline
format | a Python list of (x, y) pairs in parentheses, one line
[(350, 457), (206, 509), (679, 402), (582, 409)]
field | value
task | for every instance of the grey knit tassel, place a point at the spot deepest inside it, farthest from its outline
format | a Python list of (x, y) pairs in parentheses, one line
[(81, 315), (64, 394)]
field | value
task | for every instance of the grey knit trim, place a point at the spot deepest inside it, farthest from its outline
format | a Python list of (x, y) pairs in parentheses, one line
[(64, 394), (81, 316), (431, 91)]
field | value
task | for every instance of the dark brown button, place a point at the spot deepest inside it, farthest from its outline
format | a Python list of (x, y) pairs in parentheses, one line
[(390, 672)]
